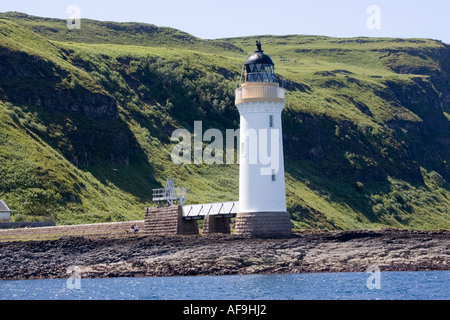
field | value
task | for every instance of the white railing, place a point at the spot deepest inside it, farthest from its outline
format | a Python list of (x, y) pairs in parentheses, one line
[(252, 92), (199, 211), (171, 195)]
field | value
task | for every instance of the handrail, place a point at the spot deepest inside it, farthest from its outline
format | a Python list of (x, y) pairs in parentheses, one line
[(243, 67), (170, 195), (202, 210)]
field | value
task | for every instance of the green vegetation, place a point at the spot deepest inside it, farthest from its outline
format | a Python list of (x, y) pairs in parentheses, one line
[(86, 118)]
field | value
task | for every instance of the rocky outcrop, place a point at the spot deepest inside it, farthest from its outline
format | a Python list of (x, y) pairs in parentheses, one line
[(427, 140), (86, 118), (326, 142), (309, 251), (30, 80), (420, 140)]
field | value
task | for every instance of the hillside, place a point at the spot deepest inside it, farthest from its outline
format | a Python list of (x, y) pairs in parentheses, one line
[(86, 118)]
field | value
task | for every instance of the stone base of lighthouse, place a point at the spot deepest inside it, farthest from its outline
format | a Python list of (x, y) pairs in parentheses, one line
[(263, 224)]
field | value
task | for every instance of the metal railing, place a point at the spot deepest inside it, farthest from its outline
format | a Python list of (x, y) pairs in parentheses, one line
[(199, 211), (169, 195)]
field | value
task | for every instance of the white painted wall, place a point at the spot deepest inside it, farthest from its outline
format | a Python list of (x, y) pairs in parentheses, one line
[(257, 191), (5, 216)]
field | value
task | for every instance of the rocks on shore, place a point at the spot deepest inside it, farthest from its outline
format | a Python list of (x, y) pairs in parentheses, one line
[(308, 251)]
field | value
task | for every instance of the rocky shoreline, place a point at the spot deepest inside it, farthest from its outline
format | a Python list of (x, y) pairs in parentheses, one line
[(304, 252)]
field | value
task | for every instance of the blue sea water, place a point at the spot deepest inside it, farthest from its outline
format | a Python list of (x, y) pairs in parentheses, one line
[(326, 286)]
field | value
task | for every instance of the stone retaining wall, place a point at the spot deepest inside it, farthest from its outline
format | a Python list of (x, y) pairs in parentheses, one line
[(98, 229)]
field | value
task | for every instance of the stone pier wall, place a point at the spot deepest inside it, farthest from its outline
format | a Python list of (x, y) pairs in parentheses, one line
[(263, 224), (214, 224), (166, 221)]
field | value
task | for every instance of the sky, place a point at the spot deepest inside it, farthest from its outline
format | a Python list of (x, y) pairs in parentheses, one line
[(212, 19)]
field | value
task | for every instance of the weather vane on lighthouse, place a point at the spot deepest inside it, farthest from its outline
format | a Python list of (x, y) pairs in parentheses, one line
[(262, 194), (258, 45)]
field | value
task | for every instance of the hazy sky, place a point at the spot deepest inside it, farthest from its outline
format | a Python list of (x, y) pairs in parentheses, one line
[(230, 18)]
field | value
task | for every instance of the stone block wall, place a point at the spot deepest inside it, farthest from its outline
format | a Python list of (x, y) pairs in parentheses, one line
[(214, 224), (167, 221), (97, 229), (263, 224)]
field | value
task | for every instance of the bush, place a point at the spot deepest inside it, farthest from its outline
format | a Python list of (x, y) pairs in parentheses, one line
[(37, 202)]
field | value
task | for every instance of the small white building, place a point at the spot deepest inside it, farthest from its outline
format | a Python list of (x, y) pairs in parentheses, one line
[(5, 213)]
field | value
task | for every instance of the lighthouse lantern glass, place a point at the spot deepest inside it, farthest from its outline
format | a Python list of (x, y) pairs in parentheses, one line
[(260, 73), (259, 67)]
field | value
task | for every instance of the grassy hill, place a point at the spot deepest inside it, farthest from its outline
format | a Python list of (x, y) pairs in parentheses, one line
[(86, 118)]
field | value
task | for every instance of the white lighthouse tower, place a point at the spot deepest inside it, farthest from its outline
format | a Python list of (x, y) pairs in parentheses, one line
[(262, 195)]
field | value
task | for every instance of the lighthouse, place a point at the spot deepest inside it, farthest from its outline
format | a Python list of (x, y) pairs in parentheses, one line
[(262, 195)]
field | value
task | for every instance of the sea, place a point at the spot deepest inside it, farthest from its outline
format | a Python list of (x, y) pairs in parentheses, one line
[(433, 285)]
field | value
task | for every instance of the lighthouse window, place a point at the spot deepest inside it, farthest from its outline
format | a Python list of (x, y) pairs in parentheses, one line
[(274, 176), (271, 121), (260, 72)]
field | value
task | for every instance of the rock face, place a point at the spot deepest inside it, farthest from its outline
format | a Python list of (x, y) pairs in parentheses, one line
[(36, 82), (427, 141), (351, 251), (87, 119)]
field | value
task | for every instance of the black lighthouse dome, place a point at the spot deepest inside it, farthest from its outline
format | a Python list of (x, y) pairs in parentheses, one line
[(259, 67)]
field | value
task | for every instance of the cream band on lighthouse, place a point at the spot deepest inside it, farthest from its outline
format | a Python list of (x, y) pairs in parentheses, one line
[(262, 195)]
